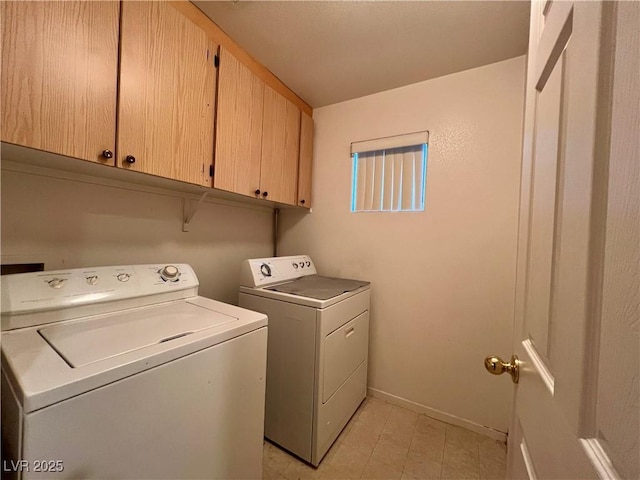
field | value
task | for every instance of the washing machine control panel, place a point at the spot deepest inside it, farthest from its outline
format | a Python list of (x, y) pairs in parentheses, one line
[(61, 289), (260, 272)]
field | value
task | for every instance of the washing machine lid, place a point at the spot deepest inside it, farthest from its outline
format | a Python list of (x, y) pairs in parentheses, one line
[(96, 339), (109, 347), (318, 287)]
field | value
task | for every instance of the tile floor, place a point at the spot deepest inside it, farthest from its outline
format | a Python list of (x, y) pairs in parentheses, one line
[(383, 441)]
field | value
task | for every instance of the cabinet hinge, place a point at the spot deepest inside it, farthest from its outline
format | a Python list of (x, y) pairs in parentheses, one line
[(211, 170), (216, 61)]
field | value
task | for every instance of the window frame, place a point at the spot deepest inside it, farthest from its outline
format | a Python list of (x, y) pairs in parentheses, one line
[(394, 144)]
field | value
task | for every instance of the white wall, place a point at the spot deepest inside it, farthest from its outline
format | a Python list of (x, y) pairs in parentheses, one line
[(442, 279), (68, 223)]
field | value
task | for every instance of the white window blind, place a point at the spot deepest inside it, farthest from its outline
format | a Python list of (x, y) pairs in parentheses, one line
[(389, 174)]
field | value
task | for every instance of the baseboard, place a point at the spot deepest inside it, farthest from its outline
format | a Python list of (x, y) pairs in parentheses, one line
[(437, 414)]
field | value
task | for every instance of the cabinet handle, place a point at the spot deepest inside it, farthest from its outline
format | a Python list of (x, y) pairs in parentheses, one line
[(107, 154), (264, 194), (130, 159), (257, 192), (302, 201)]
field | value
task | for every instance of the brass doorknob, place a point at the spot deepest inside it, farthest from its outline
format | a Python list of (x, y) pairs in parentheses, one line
[(497, 366)]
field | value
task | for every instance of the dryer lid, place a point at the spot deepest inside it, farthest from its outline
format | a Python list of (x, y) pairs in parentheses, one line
[(318, 287), (105, 336)]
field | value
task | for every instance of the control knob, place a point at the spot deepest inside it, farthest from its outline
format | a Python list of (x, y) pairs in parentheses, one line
[(123, 277), (92, 280), (169, 273), (265, 270), (57, 282)]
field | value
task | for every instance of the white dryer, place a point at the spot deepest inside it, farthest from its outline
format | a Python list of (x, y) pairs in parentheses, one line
[(125, 372), (317, 350)]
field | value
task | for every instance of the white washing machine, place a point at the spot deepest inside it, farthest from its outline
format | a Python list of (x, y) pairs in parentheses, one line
[(125, 372), (317, 350)]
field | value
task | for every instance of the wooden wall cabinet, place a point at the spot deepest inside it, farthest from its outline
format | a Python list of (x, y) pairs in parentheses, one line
[(62, 92), (257, 136), (305, 161), (59, 77), (167, 94), (238, 127), (280, 148)]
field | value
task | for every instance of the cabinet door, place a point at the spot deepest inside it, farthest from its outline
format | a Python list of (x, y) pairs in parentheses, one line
[(238, 127), (280, 148), (306, 160), (59, 74), (167, 94)]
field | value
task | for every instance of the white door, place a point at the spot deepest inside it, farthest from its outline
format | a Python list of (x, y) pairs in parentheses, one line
[(575, 409)]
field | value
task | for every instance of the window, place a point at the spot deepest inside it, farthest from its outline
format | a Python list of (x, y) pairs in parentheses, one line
[(389, 174)]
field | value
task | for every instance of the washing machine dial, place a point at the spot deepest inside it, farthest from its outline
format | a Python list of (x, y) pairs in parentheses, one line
[(57, 282), (92, 280), (169, 273), (123, 277), (265, 270)]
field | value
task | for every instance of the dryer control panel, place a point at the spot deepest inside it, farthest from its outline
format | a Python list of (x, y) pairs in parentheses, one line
[(261, 272)]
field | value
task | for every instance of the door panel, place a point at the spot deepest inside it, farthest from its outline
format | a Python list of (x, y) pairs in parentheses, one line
[(618, 395), (345, 349), (59, 75), (555, 430), (306, 160), (280, 148), (543, 209), (167, 93), (238, 127)]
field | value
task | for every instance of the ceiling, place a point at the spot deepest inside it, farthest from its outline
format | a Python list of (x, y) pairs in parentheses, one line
[(331, 51)]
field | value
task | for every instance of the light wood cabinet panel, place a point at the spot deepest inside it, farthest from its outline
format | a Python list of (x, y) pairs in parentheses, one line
[(167, 93), (280, 148), (306, 160), (238, 127), (59, 76), (192, 12)]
